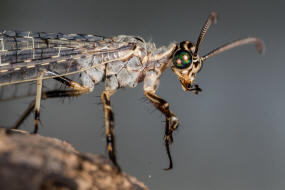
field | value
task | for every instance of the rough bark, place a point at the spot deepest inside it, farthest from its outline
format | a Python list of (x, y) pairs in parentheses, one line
[(33, 162)]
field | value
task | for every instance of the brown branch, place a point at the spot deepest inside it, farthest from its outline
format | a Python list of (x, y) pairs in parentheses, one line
[(35, 162)]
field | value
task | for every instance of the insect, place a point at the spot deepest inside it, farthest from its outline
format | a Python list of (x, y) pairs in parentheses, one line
[(120, 61)]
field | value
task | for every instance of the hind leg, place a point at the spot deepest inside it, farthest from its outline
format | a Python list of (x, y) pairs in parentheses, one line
[(77, 90)]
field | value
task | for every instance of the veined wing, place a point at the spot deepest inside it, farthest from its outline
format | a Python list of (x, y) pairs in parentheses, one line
[(24, 54)]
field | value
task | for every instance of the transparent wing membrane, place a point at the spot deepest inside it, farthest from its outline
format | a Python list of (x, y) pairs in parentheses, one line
[(24, 54)]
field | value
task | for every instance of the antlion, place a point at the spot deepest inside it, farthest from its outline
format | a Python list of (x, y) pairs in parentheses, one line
[(120, 61)]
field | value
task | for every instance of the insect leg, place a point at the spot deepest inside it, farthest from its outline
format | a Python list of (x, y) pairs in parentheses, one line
[(24, 115), (171, 121), (77, 90), (38, 102), (109, 124), (34, 105)]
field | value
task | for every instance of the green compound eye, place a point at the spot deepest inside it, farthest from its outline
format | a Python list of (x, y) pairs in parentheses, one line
[(182, 59)]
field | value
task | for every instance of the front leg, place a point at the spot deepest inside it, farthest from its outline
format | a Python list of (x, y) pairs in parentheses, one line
[(171, 121)]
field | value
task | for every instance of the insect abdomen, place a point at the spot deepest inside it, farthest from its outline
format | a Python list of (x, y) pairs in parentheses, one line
[(120, 69)]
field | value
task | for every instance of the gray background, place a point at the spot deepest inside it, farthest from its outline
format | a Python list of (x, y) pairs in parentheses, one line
[(232, 135)]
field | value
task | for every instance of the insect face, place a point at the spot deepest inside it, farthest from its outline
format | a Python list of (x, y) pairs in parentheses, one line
[(186, 65)]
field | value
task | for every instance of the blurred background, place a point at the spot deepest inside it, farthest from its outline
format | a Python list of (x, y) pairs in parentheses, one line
[(232, 135)]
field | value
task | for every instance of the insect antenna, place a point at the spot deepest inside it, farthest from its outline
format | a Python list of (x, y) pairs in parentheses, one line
[(250, 40), (212, 18)]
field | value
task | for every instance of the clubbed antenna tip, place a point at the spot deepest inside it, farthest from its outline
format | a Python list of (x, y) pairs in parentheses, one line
[(250, 40), (260, 46)]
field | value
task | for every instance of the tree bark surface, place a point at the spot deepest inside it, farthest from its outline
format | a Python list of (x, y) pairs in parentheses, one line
[(32, 162)]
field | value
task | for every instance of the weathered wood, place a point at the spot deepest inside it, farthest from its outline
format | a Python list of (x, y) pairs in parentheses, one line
[(33, 162)]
